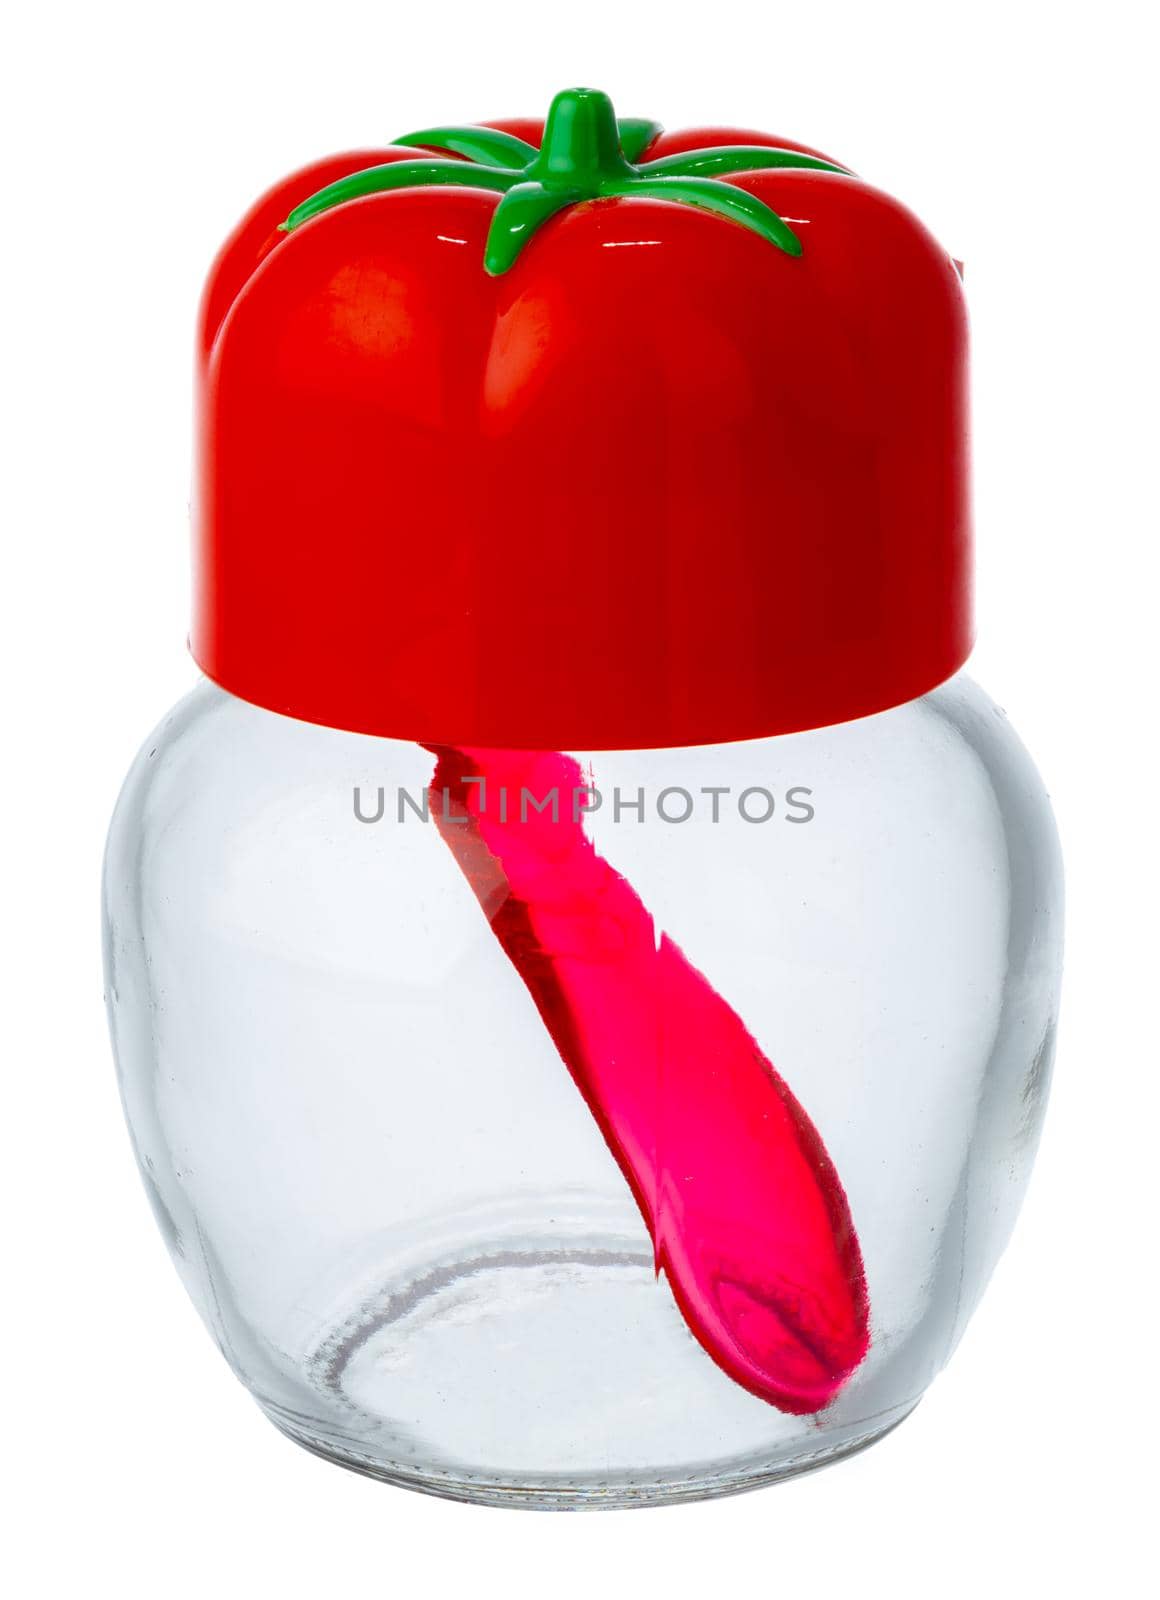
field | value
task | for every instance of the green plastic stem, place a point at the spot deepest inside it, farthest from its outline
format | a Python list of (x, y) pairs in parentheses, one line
[(586, 154)]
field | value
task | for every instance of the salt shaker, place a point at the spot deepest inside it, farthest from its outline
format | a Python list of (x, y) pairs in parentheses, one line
[(583, 965)]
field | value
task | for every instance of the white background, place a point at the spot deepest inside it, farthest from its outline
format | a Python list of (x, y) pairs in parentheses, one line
[(134, 135)]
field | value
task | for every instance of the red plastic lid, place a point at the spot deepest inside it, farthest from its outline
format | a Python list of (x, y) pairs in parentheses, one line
[(635, 440)]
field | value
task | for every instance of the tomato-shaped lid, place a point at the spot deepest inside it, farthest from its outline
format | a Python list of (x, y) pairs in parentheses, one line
[(581, 437)]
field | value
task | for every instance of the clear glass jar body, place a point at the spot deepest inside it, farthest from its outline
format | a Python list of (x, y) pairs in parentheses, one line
[(403, 1223)]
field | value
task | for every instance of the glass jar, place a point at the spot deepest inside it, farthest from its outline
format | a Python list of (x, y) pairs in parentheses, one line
[(385, 1089)]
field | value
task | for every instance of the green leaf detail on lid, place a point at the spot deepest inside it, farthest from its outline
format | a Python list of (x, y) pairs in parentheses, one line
[(586, 154), (476, 144), (726, 201), (399, 175), (636, 134), (518, 215), (726, 158)]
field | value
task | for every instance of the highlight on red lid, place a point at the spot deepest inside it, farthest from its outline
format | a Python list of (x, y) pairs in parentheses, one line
[(581, 436)]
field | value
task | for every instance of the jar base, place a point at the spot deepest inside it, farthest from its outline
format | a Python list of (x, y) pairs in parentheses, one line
[(580, 1496), (507, 1363)]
